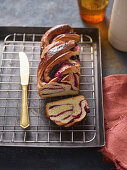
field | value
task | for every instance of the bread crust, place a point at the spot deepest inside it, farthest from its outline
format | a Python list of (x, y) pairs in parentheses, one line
[(58, 60), (59, 29), (67, 37)]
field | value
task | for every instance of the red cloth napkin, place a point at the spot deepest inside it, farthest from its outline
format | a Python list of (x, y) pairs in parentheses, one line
[(115, 114)]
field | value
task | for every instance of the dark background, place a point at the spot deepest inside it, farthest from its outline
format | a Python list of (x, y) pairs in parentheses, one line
[(50, 13)]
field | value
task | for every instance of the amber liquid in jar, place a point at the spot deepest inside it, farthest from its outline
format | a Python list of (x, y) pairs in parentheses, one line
[(92, 11)]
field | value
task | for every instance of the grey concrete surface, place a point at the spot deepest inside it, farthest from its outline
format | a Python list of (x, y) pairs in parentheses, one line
[(49, 13)]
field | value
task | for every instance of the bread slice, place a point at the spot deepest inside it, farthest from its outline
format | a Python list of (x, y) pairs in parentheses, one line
[(68, 111), (57, 89)]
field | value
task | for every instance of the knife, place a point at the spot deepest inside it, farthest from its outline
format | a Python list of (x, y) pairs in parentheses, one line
[(24, 75)]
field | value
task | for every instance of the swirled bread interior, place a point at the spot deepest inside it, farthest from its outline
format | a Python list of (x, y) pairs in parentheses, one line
[(68, 111)]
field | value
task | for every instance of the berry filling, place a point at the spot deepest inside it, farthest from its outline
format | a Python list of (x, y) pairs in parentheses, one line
[(62, 69), (61, 113), (76, 57), (53, 71)]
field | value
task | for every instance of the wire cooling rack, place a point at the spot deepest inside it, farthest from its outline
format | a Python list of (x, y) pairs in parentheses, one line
[(43, 132)]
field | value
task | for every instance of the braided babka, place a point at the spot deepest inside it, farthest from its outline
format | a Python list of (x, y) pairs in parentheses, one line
[(68, 111), (59, 67)]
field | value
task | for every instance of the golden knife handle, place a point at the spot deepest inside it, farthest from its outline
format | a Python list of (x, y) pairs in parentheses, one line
[(24, 120)]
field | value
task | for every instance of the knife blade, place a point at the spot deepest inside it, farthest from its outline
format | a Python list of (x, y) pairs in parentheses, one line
[(24, 76)]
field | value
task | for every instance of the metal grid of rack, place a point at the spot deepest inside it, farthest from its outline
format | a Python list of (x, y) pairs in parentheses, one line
[(42, 131)]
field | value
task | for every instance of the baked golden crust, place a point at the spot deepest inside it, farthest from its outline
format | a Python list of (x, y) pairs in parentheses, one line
[(54, 31), (67, 37)]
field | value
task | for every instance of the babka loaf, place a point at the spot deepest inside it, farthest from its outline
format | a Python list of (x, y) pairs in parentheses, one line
[(59, 67), (68, 111)]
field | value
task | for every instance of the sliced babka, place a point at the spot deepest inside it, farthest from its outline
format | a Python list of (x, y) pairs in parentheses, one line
[(68, 111), (59, 67)]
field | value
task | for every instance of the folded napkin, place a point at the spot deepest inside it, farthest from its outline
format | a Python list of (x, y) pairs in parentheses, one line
[(115, 114)]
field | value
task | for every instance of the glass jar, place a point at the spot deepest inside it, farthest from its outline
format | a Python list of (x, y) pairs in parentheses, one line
[(92, 11)]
